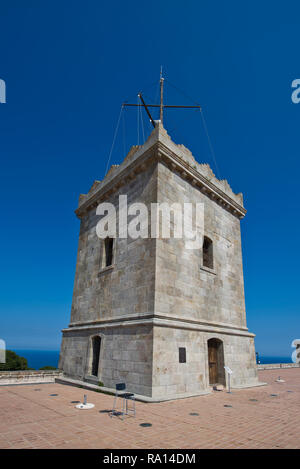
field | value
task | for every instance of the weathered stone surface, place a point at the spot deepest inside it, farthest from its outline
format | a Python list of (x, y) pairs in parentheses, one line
[(28, 377), (157, 296)]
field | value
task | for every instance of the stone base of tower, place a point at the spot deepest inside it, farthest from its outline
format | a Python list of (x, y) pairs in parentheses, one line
[(125, 356), (172, 378), (160, 360)]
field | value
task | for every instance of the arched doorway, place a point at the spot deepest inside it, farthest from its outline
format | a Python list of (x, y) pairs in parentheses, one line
[(96, 346), (216, 362)]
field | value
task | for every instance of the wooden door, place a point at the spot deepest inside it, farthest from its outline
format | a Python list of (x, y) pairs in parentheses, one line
[(213, 361)]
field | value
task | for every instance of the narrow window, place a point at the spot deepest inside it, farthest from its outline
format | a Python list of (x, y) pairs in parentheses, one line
[(96, 345), (108, 251), (207, 253), (182, 355)]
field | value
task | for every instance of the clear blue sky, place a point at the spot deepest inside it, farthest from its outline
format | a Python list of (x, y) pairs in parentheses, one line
[(68, 66)]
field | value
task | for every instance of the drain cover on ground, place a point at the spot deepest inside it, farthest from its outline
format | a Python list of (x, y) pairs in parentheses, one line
[(273, 395), (37, 389), (75, 402), (194, 413), (227, 405), (145, 424), (53, 394), (253, 400), (290, 391)]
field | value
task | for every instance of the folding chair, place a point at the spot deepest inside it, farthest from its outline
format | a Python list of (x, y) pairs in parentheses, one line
[(125, 396)]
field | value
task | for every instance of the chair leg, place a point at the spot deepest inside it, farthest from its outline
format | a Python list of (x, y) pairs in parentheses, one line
[(123, 408)]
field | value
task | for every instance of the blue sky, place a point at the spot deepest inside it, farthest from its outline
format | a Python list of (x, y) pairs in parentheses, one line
[(68, 66)]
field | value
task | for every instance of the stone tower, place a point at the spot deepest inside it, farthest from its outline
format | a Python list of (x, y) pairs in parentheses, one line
[(149, 312)]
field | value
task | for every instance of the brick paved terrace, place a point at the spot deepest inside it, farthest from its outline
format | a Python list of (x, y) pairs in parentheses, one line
[(261, 417)]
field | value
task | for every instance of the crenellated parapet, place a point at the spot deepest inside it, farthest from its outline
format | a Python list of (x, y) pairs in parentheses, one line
[(160, 147)]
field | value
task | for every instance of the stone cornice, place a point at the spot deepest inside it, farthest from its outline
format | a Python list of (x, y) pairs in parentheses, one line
[(163, 320)]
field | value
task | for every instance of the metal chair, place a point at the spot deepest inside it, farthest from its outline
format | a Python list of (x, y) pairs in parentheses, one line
[(125, 396)]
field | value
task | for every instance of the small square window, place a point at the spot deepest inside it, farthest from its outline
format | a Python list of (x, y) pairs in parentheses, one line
[(182, 355)]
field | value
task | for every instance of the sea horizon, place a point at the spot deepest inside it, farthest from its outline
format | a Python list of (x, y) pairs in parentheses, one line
[(38, 358)]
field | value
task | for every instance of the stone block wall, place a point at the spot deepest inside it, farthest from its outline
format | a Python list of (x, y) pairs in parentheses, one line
[(183, 288), (173, 378), (128, 287), (9, 378), (74, 353), (275, 366), (170, 377), (125, 356)]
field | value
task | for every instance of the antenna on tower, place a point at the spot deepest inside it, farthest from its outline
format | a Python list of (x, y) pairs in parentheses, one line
[(161, 96), (161, 106)]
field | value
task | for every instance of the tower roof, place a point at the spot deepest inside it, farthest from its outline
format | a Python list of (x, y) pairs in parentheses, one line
[(160, 144)]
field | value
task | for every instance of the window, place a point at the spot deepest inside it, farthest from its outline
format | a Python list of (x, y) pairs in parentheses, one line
[(182, 355), (96, 346), (108, 251), (207, 253)]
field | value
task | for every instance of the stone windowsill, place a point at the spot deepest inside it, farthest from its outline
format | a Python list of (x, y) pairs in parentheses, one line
[(107, 269), (207, 269)]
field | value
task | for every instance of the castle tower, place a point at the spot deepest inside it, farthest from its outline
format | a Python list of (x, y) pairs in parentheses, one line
[(149, 312)]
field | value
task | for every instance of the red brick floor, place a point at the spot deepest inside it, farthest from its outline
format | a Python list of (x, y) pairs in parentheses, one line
[(33, 419)]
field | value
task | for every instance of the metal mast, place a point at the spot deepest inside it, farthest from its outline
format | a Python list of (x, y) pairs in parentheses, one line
[(161, 96), (161, 106)]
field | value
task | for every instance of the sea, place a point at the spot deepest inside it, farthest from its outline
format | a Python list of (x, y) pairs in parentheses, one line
[(38, 358), (265, 359)]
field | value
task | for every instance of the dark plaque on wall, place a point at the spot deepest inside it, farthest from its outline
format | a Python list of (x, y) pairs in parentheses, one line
[(182, 355)]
